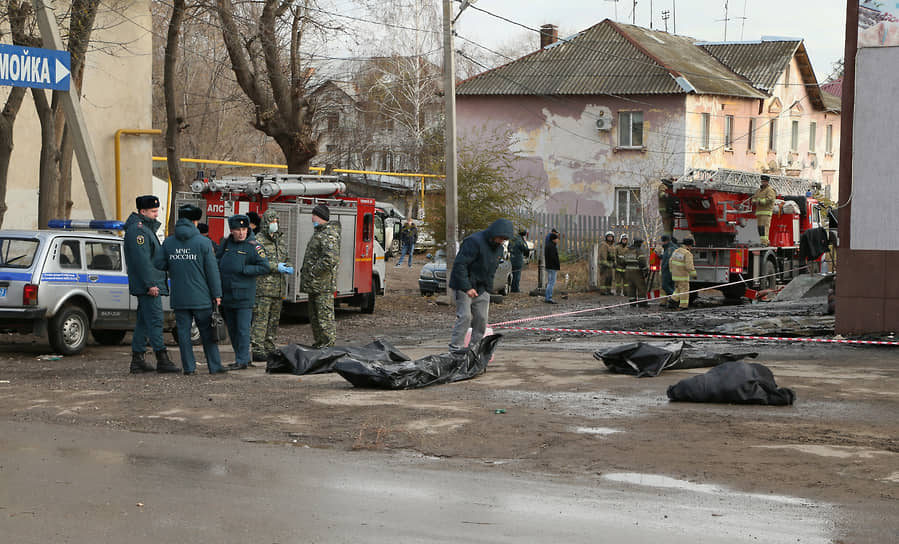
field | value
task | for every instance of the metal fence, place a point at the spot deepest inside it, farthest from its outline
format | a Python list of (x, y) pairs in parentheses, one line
[(578, 232)]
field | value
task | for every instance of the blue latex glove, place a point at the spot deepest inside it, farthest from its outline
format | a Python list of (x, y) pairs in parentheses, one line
[(284, 269)]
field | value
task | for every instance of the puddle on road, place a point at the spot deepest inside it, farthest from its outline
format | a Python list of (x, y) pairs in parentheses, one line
[(841, 452), (664, 482), (591, 405), (604, 431), (894, 478), (436, 426)]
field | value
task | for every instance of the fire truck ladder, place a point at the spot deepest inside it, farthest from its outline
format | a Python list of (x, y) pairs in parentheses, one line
[(739, 181), (272, 185)]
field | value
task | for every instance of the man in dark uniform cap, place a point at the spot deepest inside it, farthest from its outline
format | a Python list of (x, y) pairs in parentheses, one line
[(196, 286), (241, 259), (147, 284)]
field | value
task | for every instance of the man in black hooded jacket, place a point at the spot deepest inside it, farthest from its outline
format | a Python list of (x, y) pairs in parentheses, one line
[(472, 278)]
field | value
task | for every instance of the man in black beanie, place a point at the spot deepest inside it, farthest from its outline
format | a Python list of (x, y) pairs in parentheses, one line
[(147, 284), (254, 222), (318, 277)]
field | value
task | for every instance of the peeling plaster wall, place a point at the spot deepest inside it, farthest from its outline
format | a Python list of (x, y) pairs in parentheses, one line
[(117, 93), (818, 164), (577, 166)]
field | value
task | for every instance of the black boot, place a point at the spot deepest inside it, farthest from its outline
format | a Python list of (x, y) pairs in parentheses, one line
[(164, 364), (138, 365)]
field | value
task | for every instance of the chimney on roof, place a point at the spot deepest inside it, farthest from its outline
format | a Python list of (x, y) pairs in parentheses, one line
[(549, 34)]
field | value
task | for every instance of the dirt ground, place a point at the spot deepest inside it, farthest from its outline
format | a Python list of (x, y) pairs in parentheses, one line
[(560, 412)]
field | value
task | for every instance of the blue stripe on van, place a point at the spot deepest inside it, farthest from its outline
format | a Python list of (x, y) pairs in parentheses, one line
[(72, 277), (15, 276)]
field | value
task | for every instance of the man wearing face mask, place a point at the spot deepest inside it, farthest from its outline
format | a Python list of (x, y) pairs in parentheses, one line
[(240, 261), (472, 277), (318, 277), (270, 288)]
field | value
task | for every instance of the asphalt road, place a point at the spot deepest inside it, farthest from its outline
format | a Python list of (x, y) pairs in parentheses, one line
[(67, 484)]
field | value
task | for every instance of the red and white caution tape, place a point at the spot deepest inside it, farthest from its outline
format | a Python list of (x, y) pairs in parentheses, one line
[(702, 335), (623, 304)]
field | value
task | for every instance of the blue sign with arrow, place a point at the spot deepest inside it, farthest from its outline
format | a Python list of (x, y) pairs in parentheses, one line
[(34, 67)]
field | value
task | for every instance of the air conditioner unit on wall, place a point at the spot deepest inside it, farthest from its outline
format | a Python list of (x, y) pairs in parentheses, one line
[(603, 123)]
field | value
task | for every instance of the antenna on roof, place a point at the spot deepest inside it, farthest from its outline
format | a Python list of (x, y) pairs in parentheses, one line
[(743, 23), (665, 16)]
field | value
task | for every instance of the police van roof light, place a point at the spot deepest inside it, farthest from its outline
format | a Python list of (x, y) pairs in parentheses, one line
[(95, 224)]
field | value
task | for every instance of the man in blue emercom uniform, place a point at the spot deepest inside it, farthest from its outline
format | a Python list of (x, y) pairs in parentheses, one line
[(196, 286), (240, 261), (147, 284)]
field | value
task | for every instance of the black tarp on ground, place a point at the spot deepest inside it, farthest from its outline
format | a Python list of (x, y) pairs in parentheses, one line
[(300, 359), (733, 382), (430, 370), (642, 359)]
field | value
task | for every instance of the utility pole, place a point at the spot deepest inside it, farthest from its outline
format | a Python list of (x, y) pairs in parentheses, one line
[(449, 98), (634, 14), (650, 14), (674, 16)]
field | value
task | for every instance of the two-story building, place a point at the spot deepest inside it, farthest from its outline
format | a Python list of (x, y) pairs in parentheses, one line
[(601, 116)]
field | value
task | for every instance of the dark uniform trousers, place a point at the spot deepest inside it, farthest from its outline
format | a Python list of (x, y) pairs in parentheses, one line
[(238, 322), (266, 317), (203, 317), (321, 318), (149, 325)]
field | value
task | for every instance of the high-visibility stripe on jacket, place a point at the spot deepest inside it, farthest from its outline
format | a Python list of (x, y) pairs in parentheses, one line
[(681, 265)]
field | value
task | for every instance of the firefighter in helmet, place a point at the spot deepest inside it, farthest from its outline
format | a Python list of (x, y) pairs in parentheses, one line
[(606, 263), (620, 285), (666, 205), (682, 269), (635, 271), (763, 199)]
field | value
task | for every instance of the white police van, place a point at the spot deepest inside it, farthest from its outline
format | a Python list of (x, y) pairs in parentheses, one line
[(66, 283)]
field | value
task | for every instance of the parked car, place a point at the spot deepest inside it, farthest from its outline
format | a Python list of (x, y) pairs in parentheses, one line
[(66, 284), (432, 278)]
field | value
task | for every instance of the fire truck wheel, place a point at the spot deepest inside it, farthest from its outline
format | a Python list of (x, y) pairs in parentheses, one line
[(368, 299), (768, 280)]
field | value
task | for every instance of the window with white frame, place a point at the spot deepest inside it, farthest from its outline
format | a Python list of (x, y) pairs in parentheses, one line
[(772, 134), (812, 136), (706, 126), (794, 137), (751, 136), (728, 132), (828, 144), (630, 129), (628, 209)]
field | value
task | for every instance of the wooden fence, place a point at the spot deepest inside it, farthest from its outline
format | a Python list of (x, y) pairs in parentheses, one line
[(578, 232)]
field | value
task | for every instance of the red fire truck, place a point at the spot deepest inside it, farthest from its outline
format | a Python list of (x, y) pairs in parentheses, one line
[(715, 208), (361, 275)]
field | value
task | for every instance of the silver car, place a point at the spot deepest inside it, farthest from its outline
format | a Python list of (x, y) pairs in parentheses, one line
[(65, 284), (432, 277)]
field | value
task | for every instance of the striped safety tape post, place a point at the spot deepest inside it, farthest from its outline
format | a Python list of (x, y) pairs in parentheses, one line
[(702, 335)]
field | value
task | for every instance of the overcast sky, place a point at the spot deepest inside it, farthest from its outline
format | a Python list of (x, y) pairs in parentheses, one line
[(821, 23)]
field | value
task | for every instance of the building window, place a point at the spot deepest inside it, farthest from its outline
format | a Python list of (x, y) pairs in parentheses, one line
[(334, 121), (630, 129), (812, 135), (331, 148), (772, 134), (628, 208), (706, 125), (751, 135), (728, 132), (794, 137), (828, 144)]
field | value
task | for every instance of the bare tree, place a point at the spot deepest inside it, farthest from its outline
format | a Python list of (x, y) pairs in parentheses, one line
[(173, 125), (16, 13), (276, 84)]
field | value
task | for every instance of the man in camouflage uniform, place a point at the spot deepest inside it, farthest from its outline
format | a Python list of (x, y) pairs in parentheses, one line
[(318, 277), (270, 288)]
